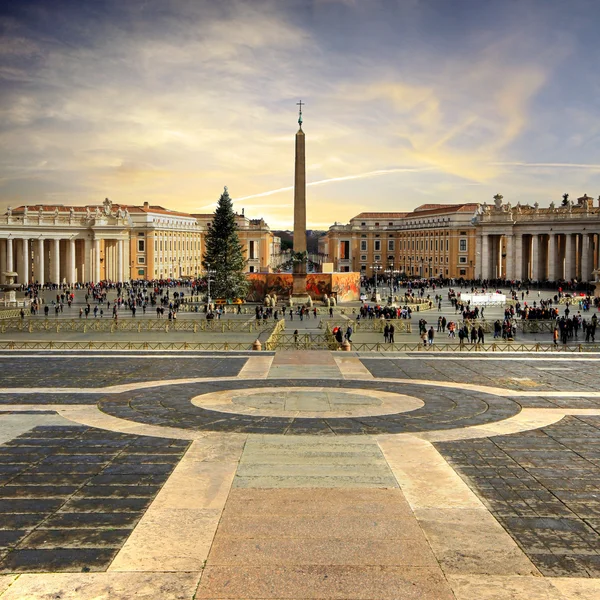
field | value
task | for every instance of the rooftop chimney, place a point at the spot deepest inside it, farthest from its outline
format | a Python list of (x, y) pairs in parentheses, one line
[(146, 205)]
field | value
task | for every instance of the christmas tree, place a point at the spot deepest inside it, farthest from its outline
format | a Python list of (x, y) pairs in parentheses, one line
[(224, 255)]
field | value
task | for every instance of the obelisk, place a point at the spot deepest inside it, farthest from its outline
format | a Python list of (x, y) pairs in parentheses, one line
[(299, 286)]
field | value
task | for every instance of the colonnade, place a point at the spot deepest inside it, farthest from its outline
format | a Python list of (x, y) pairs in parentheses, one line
[(56, 260), (538, 256)]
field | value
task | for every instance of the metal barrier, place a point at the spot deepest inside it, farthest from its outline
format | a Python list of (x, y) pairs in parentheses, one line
[(133, 325), (522, 325), (462, 348), (118, 345), (376, 325), (9, 313)]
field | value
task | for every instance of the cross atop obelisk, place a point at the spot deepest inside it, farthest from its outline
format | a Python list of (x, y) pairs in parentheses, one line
[(300, 104)]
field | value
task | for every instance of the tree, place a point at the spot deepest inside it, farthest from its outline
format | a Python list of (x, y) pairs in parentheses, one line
[(565, 201), (224, 255)]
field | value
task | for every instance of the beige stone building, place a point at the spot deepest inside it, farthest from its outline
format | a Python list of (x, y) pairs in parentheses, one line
[(433, 240), (529, 242), (116, 242)]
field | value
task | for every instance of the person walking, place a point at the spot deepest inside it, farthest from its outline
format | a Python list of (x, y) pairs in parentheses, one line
[(430, 336), (391, 333), (386, 334)]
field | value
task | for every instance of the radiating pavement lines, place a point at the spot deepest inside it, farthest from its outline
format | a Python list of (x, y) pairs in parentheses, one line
[(314, 518), (177, 530), (304, 364)]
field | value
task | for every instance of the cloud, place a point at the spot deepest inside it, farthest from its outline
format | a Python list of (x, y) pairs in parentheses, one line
[(167, 101)]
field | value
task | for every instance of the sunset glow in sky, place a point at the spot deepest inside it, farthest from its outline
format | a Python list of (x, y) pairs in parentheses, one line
[(407, 102)]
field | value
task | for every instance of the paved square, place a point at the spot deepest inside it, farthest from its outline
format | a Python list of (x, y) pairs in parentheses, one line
[(299, 475)]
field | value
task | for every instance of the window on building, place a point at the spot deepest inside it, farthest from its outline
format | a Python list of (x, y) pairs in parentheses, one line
[(463, 233), (141, 245), (141, 272), (377, 246), (463, 271), (462, 259), (447, 244), (462, 245), (390, 245), (376, 224), (363, 245), (363, 224), (436, 245), (377, 257), (391, 258), (363, 257), (251, 269), (140, 235), (251, 250), (391, 224), (141, 260), (363, 267)]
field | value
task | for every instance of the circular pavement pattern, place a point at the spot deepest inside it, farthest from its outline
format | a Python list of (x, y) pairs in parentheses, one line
[(195, 406), (310, 403)]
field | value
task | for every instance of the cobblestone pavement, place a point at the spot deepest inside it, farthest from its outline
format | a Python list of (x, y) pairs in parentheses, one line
[(543, 486), (299, 475)]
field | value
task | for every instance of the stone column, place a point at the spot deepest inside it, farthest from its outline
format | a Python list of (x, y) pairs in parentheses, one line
[(518, 257), (96, 261), (10, 261), (510, 258), (552, 256), (535, 256), (586, 271), (120, 260), (2, 259), (55, 261), (569, 256), (40, 263), (26, 262), (72, 277), (485, 256), (478, 245)]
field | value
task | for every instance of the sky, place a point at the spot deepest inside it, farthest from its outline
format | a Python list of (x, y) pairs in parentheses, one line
[(407, 102)]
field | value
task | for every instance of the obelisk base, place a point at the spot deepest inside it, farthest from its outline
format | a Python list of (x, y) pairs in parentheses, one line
[(299, 294)]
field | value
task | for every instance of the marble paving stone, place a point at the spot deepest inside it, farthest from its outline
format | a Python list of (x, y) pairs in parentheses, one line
[(573, 588), (352, 368), (256, 367), (104, 586), (168, 539), (6, 581), (261, 551), (472, 541), (319, 526), (490, 587), (335, 582), (176, 532)]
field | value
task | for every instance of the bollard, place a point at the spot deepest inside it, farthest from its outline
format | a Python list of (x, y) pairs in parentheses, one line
[(346, 346), (257, 345)]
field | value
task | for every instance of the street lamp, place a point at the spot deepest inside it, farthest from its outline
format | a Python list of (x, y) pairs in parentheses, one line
[(376, 267), (209, 273)]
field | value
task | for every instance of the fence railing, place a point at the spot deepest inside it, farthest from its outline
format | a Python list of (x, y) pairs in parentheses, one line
[(376, 325), (133, 325), (120, 345), (462, 348), (9, 313), (273, 339)]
